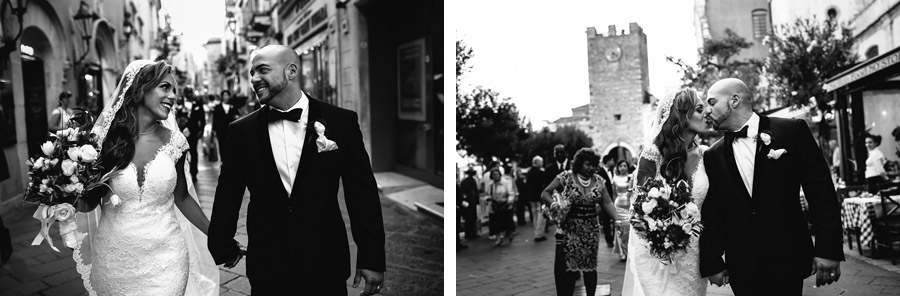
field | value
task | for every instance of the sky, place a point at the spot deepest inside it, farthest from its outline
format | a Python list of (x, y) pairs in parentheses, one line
[(198, 20), (535, 52)]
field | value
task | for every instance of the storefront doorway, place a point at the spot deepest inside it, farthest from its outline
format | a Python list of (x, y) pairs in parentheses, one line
[(36, 127)]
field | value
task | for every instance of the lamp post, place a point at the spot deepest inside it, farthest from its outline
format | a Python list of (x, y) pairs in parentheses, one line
[(232, 25), (85, 18)]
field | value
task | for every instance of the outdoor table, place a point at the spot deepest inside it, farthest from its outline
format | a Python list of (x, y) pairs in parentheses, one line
[(857, 214)]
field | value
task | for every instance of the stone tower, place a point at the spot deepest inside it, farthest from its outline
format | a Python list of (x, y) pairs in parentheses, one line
[(619, 84)]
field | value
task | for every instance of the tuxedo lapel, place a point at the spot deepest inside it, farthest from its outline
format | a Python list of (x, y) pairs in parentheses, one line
[(309, 143), (268, 157), (759, 164), (732, 168)]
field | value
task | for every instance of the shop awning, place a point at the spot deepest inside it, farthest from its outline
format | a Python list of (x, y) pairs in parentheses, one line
[(868, 68)]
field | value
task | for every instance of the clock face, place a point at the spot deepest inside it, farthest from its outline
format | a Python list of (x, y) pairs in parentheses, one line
[(613, 53)]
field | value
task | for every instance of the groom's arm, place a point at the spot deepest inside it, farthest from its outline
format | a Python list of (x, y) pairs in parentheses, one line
[(363, 202), (227, 205), (824, 209), (712, 239)]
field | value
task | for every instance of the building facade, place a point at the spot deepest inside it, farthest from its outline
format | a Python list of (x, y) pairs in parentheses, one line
[(619, 90), (749, 19), (379, 58), (580, 119), (76, 46)]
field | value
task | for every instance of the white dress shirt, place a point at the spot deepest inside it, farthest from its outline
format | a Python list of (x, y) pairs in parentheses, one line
[(227, 107), (287, 139), (745, 152)]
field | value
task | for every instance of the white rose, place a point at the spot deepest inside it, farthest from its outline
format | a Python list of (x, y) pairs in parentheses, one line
[(39, 163), (766, 138), (48, 148), (692, 209), (62, 211), (68, 167), (687, 228), (74, 179), (88, 153), (74, 153), (115, 200), (73, 136), (51, 162), (648, 206), (79, 188), (69, 188), (650, 223), (654, 192), (664, 192)]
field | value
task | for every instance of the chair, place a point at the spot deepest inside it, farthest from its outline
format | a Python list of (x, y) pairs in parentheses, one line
[(846, 192), (886, 229)]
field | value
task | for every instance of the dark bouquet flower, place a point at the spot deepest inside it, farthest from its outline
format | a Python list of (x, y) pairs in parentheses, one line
[(67, 170), (665, 217)]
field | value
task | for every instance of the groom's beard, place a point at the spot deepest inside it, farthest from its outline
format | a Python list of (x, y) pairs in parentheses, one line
[(717, 123)]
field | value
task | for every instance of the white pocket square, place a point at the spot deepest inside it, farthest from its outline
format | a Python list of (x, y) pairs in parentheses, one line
[(776, 154), (323, 143)]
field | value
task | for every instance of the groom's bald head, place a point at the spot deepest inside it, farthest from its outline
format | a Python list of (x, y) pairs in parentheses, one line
[(728, 87), (275, 75)]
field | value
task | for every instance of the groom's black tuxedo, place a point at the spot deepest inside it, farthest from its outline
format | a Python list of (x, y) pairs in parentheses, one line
[(765, 238), (298, 242)]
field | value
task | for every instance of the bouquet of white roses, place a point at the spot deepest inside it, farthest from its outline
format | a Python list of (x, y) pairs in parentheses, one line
[(65, 171), (665, 216)]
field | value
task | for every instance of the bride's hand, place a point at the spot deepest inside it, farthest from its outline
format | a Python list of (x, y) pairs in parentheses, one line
[(719, 279)]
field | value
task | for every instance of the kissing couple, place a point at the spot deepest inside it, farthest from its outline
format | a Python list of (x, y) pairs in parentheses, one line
[(145, 234), (747, 186)]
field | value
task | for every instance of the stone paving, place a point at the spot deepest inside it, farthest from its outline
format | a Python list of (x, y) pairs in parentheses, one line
[(414, 247), (526, 268)]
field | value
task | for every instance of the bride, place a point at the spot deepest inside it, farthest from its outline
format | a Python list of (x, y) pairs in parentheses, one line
[(134, 241), (673, 154)]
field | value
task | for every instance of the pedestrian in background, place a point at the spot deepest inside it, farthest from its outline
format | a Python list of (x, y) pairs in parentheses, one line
[(522, 200), (60, 116), (535, 185), (469, 188), (501, 196), (223, 115), (875, 173), (196, 121), (606, 171), (622, 183), (576, 211)]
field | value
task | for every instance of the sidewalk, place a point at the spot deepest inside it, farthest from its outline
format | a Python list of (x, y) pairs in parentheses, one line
[(414, 248), (526, 268)]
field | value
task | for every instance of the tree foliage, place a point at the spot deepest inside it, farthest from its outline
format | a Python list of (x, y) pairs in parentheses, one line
[(717, 61), (487, 124), (541, 143), (803, 55)]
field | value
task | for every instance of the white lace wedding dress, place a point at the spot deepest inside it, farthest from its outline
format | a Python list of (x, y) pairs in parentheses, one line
[(139, 247), (644, 274)]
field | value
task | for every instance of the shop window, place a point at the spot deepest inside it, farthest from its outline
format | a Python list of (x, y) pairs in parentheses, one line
[(318, 69), (872, 52), (760, 18)]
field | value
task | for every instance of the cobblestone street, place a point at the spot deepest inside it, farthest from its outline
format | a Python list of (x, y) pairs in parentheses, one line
[(526, 268), (414, 247)]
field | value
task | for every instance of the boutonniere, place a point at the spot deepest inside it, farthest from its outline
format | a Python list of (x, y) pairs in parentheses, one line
[(776, 153), (323, 143), (765, 138)]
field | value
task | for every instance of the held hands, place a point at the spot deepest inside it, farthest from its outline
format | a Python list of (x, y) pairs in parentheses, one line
[(241, 252), (374, 280), (827, 271), (719, 279)]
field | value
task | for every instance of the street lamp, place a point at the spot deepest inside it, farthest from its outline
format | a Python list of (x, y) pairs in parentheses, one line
[(85, 17), (9, 45), (232, 25)]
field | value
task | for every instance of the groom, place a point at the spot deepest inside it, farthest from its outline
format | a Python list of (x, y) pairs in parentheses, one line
[(292, 154), (752, 212)]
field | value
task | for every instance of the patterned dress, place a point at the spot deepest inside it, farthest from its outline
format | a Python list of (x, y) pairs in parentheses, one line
[(580, 224)]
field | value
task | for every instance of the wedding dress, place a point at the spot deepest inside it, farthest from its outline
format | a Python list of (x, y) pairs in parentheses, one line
[(139, 246), (644, 274), (144, 245)]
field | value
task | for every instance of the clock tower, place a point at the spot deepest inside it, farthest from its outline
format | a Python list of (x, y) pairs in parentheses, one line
[(619, 84)]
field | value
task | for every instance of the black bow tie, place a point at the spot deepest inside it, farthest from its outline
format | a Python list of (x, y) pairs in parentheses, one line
[(293, 115), (730, 136)]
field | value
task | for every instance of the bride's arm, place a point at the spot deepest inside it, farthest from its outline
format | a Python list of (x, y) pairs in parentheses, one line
[(190, 208)]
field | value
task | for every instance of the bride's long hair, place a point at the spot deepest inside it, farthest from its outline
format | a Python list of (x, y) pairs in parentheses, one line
[(118, 146), (672, 147)]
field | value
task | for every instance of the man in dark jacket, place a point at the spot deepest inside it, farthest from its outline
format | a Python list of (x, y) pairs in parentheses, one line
[(535, 184), (469, 188)]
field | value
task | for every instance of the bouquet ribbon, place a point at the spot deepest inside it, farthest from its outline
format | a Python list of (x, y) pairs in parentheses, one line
[(667, 269), (66, 228)]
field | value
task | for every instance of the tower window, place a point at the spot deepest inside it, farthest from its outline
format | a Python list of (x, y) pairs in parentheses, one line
[(760, 18), (618, 117), (832, 13)]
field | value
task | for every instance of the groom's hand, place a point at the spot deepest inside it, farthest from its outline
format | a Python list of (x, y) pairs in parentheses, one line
[(827, 271), (241, 252), (719, 279), (374, 280)]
